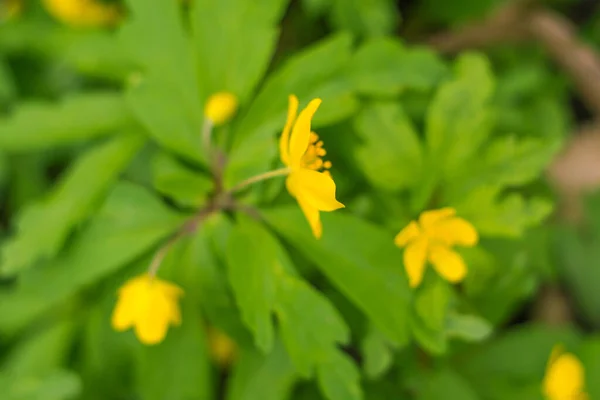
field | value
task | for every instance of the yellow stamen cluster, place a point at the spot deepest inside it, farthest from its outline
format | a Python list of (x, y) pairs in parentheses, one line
[(313, 158)]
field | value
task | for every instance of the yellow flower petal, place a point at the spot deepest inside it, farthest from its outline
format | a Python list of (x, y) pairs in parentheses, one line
[(449, 264), (312, 216), (409, 233), (428, 219), (149, 305), (284, 141), (565, 378), (220, 107), (454, 231), (414, 261), (316, 189), (82, 13), (300, 137)]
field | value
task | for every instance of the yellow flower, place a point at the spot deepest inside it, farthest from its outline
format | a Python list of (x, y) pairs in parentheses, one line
[(565, 377), (83, 13), (220, 107), (431, 239), (302, 151), (222, 349), (149, 305)]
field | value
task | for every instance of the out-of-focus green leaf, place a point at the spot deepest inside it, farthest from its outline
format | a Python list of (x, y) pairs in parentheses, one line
[(173, 179), (458, 120), (311, 328), (467, 327), (506, 161), (493, 371), (459, 11), (37, 126), (428, 320), (496, 215), (177, 368), (307, 74), (384, 67), (377, 354), (247, 33), (41, 353), (590, 356), (447, 384), (252, 277), (43, 227), (338, 378), (262, 377), (167, 100), (7, 86), (391, 154), (360, 260), (128, 225), (57, 385), (365, 17)]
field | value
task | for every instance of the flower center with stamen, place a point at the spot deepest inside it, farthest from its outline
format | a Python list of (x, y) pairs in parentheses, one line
[(313, 157)]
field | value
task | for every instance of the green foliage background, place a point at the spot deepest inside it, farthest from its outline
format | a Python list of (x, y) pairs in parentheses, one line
[(101, 163)]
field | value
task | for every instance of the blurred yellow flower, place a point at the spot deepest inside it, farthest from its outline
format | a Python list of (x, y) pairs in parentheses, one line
[(220, 107), (309, 180), (83, 13), (565, 377), (432, 239), (223, 350), (148, 305)]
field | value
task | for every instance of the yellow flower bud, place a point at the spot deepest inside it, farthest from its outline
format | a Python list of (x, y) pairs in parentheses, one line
[(222, 349), (83, 13), (221, 107)]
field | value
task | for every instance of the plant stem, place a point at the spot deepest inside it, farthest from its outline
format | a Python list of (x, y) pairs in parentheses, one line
[(207, 127), (258, 178)]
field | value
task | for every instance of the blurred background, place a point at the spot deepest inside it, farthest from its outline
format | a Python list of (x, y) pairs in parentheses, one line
[(536, 288)]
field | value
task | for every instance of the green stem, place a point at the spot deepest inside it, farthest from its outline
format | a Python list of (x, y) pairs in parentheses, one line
[(261, 177)]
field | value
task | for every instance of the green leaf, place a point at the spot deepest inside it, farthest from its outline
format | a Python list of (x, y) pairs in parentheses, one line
[(495, 215), (467, 327), (127, 226), (360, 260), (384, 67), (506, 161), (447, 384), (58, 385), (40, 353), (38, 126), (8, 89), (365, 17), (307, 75), (429, 317), (247, 34), (167, 100), (262, 377), (178, 368), (69, 204), (311, 328), (391, 155), (377, 354), (339, 378), (252, 277), (175, 180), (458, 120)]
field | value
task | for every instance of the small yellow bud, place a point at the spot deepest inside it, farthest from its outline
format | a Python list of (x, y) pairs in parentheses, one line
[(220, 107), (222, 349)]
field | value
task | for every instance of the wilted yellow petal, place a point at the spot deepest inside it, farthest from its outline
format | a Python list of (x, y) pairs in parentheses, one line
[(565, 378), (409, 233), (448, 263), (427, 219), (300, 137), (454, 231), (284, 141), (315, 188), (414, 261), (220, 107)]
